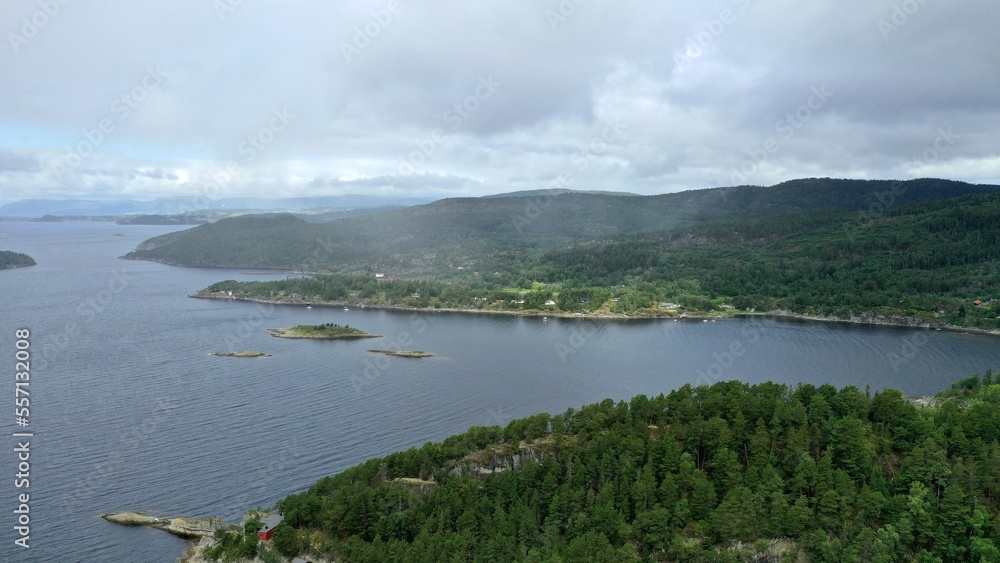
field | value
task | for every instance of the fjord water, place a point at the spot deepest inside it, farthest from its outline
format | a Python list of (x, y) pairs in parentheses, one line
[(130, 412)]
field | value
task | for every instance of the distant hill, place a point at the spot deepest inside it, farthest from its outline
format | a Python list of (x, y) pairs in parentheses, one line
[(10, 259), (428, 239), (177, 205), (558, 191), (318, 215), (156, 219)]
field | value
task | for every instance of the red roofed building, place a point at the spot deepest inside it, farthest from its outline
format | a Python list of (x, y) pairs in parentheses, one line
[(267, 525)]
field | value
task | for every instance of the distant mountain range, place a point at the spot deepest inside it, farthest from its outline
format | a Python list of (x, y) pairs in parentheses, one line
[(178, 205)]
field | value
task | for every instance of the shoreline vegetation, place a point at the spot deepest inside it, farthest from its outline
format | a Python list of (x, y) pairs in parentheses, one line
[(725, 472), (328, 331), (871, 319)]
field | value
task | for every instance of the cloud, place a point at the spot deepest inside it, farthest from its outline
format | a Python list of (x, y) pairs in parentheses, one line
[(11, 161), (702, 88)]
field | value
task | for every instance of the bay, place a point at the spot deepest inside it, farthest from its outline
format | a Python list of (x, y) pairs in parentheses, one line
[(131, 412)]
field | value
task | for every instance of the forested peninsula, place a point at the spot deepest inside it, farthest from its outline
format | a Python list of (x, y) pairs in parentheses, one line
[(721, 473), (10, 259), (919, 253)]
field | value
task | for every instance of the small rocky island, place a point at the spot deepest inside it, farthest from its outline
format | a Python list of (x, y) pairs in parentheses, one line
[(183, 527), (404, 353), (241, 354), (328, 331)]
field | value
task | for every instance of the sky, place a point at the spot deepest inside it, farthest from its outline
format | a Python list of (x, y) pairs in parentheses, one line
[(221, 98)]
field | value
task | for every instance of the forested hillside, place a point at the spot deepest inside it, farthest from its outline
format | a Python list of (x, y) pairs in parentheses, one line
[(431, 239), (730, 472), (10, 259), (922, 263)]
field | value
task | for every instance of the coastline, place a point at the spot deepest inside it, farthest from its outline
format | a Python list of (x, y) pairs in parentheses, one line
[(778, 314)]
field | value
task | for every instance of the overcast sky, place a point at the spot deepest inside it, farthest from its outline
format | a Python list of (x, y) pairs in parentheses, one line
[(307, 97)]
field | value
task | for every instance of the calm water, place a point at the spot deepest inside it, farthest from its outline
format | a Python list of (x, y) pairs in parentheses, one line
[(131, 413)]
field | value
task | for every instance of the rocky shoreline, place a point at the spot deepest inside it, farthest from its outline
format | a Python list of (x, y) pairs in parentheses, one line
[(188, 528), (404, 353), (780, 314), (241, 354)]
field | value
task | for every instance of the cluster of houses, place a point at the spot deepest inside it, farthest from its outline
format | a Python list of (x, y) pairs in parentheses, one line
[(979, 303)]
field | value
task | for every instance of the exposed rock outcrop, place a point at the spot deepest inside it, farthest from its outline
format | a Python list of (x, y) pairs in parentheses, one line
[(183, 527), (503, 457)]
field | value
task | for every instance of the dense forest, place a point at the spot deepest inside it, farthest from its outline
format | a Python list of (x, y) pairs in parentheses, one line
[(936, 263), (728, 472), (483, 234), (10, 259)]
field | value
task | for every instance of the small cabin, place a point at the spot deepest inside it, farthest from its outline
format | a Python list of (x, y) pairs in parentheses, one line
[(267, 525), (978, 303)]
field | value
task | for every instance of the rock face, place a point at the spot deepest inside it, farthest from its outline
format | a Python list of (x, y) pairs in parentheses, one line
[(183, 527), (501, 458)]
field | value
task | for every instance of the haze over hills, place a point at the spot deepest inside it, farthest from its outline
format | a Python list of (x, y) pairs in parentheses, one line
[(197, 204), (427, 238)]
